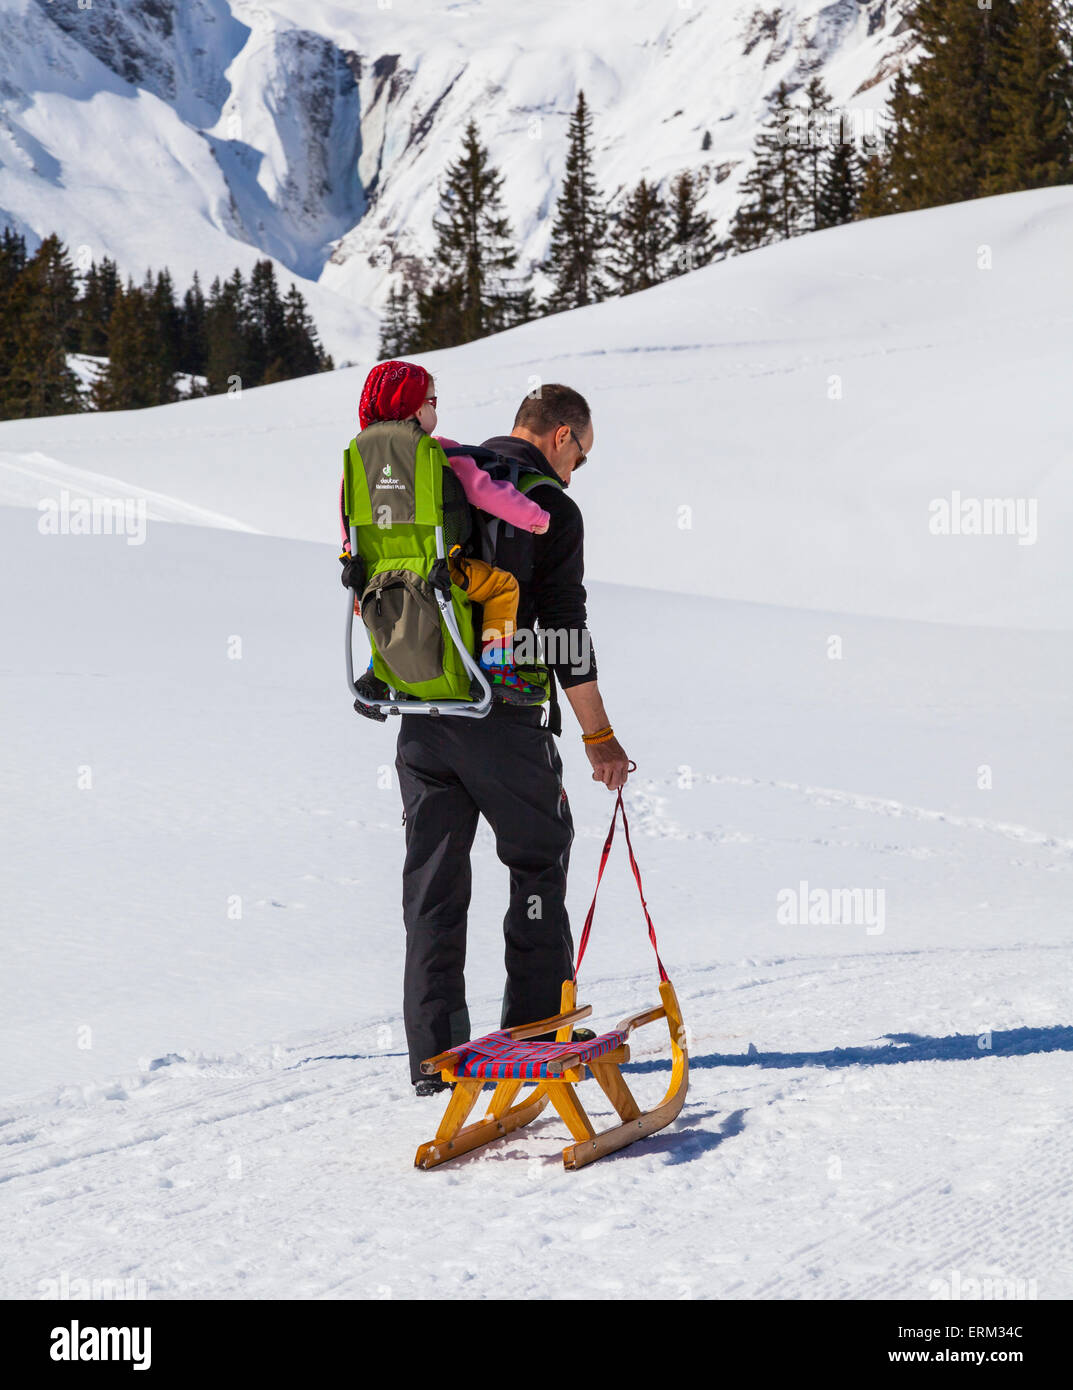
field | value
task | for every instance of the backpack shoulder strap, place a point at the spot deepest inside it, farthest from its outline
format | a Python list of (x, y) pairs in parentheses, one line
[(529, 481)]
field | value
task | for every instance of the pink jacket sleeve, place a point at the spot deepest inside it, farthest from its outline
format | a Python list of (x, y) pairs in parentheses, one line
[(497, 498)]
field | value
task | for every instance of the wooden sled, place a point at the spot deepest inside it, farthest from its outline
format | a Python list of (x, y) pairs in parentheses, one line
[(508, 1060)]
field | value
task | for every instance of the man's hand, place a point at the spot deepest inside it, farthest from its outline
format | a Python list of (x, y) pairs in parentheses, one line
[(610, 764)]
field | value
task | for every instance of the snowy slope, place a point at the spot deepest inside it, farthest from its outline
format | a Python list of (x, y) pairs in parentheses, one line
[(205, 1086), (202, 134), (713, 393), (867, 1112)]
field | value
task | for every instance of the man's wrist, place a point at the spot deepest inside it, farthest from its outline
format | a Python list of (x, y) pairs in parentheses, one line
[(588, 707)]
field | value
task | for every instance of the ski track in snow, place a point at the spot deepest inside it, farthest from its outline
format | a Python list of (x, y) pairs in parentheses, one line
[(83, 483), (653, 819)]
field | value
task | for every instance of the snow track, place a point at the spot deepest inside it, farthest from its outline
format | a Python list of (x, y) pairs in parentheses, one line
[(33, 478), (653, 816)]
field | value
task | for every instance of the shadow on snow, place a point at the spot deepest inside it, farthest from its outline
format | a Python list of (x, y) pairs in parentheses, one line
[(900, 1047)]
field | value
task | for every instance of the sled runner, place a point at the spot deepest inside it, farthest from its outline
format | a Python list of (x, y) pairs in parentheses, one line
[(508, 1058)]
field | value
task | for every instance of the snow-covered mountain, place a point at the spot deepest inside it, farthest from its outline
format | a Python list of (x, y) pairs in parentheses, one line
[(204, 133)]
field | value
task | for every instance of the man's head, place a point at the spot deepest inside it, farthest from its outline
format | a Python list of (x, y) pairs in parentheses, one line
[(558, 421)]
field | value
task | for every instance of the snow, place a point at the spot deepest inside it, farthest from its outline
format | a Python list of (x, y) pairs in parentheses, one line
[(205, 1081), (944, 377)]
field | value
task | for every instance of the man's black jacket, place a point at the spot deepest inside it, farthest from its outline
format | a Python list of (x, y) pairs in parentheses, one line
[(549, 568)]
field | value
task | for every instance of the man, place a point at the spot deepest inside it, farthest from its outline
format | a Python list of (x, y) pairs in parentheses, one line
[(506, 768)]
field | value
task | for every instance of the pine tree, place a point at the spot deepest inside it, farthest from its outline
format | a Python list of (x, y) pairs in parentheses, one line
[(193, 345), (302, 351), (99, 285), (166, 324), (140, 371), (1033, 144), (642, 238), (121, 385), (839, 191), (227, 358), (40, 314), (12, 259), (774, 204), (12, 264), (579, 233), (813, 149), (523, 308), (753, 224), (945, 108), (267, 344), (474, 248), (397, 328), (693, 241), (439, 308), (874, 198)]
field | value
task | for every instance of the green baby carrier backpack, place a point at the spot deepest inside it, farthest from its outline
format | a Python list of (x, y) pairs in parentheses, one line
[(404, 510)]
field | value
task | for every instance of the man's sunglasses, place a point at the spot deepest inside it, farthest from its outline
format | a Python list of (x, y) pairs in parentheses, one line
[(584, 456)]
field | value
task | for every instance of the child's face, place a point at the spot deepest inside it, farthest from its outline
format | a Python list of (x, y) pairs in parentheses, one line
[(426, 415)]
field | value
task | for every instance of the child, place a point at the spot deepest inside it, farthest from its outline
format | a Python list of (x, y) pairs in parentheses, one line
[(403, 391)]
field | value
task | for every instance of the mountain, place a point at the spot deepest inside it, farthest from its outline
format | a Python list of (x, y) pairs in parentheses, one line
[(206, 133)]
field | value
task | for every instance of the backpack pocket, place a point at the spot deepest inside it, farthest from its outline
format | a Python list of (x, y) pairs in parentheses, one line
[(400, 610)]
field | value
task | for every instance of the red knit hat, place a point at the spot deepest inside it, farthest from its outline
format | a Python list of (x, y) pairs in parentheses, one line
[(392, 391)]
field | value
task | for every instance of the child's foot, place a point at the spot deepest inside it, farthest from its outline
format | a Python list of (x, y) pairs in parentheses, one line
[(369, 688), (509, 688)]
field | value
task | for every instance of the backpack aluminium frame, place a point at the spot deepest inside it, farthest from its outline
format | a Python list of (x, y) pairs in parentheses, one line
[(393, 508)]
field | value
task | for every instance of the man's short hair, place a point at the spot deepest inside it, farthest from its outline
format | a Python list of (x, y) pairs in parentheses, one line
[(553, 405)]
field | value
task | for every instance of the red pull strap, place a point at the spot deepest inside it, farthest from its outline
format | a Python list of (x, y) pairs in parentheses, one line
[(604, 854)]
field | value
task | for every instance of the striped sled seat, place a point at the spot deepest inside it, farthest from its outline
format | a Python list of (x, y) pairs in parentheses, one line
[(499, 1058), (507, 1058)]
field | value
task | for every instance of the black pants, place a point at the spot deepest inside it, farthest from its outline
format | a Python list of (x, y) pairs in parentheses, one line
[(506, 768)]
